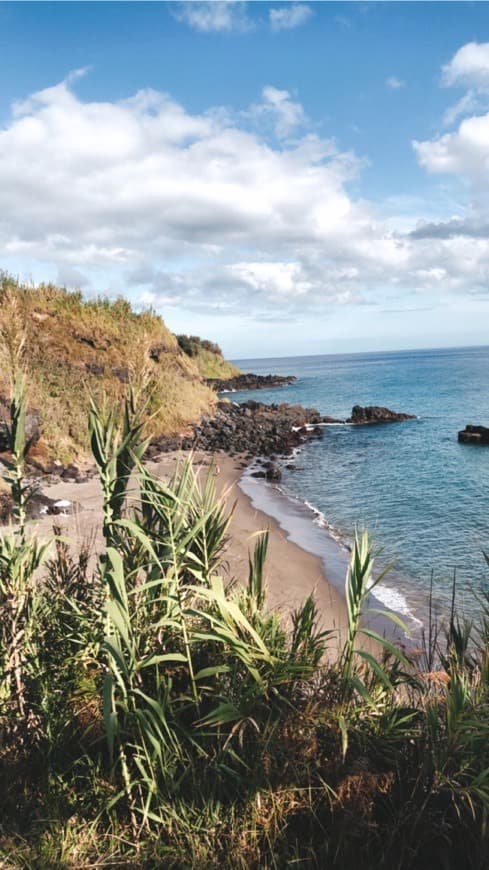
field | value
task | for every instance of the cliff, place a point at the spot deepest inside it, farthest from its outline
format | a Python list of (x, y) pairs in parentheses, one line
[(74, 347)]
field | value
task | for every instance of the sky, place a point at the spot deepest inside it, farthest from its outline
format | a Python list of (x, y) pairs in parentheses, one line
[(284, 178)]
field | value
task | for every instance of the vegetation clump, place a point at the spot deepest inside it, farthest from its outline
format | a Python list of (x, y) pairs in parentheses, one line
[(207, 356), (152, 715)]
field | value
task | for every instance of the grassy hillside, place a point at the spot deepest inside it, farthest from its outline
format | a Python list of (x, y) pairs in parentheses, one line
[(207, 356), (75, 347)]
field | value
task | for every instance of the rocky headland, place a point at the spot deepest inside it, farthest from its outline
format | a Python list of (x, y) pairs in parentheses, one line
[(251, 428), (256, 429), (249, 381)]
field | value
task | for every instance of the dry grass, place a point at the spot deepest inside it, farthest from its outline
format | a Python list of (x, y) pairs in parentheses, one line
[(74, 348)]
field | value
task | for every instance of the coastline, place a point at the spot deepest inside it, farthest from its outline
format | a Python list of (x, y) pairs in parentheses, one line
[(305, 527), (303, 558), (293, 572)]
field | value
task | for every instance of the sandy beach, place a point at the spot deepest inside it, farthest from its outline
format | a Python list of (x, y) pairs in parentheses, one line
[(292, 573)]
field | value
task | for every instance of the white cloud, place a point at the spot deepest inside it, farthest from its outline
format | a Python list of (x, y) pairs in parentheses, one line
[(343, 21), (463, 152), (289, 17), (287, 114), (469, 66), (200, 212), (470, 102), (214, 15), (394, 83)]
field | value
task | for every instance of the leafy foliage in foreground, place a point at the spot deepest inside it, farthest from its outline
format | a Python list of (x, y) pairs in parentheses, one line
[(153, 716)]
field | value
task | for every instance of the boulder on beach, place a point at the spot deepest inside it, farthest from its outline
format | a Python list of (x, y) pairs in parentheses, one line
[(474, 435), (274, 473)]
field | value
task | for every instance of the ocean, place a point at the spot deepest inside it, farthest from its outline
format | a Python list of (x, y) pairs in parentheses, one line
[(423, 496)]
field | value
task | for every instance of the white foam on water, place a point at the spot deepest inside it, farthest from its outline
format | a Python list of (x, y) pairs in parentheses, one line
[(320, 520), (395, 600), (294, 515), (62, 503)]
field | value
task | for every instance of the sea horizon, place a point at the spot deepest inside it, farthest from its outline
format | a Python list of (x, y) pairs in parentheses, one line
[(455, 347)]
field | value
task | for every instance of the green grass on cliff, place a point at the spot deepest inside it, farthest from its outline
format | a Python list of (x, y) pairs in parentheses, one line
[(75, 347), (207, 356)]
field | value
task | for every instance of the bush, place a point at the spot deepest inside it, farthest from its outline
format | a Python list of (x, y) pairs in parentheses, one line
[(192, 345), (152, 715)]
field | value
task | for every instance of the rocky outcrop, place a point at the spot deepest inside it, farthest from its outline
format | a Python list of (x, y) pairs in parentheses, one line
[(258, 429), (474, 435), (376, 414), (251, 427), (249, 382)]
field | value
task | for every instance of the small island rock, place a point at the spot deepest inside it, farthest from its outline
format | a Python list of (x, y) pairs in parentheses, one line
[(377, 414), (474, 435)]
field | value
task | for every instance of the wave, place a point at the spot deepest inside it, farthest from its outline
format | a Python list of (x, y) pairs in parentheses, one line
[(309, 427), (394, 600), (320, 520), (308, 527)]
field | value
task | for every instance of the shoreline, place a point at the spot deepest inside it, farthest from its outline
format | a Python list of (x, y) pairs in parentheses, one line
[(292, 572), (306, 527), (303, 558)]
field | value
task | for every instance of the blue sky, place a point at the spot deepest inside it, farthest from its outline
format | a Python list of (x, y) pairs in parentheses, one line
[(284, 178)]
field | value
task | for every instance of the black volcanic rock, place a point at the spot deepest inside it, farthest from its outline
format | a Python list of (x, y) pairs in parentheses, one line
[(376, 414), (249, 382), (474, 435), (251, 427), (274, 473), (257, 429)]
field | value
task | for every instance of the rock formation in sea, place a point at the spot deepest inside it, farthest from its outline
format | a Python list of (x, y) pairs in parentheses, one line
[(377, 414), (474, 435), (249, 381)]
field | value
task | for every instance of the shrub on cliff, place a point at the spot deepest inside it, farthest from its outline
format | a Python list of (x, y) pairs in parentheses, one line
[(192, 345), (75, 347), (207, 356)]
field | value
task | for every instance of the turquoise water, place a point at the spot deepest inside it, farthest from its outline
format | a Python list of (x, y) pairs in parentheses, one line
[(424, 496)]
